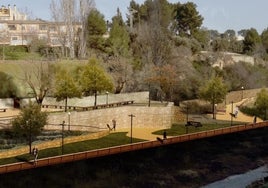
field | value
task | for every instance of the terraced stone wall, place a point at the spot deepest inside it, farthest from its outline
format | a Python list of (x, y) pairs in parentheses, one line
[(97, 120)]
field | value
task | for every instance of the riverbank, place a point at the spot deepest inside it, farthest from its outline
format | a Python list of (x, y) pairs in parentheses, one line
[(185, 165), (251, 179)]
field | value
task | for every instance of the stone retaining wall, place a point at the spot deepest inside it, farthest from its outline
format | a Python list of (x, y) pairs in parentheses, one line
[(97, 120), (137, 97)]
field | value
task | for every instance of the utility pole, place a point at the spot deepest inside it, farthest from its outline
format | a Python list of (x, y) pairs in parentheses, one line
[(62, 137), (232, 112), (131, 123)]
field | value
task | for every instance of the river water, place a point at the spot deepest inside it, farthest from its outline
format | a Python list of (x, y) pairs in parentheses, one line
[(240, 180)]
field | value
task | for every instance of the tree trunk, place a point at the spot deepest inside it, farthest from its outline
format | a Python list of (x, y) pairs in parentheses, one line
[(213, 110), (66, 99), (30, 139), (95, 102)]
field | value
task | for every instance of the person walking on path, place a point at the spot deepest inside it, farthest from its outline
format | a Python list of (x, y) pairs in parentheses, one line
[(164, 135), (35, 154), (255, 119), (114, 124)]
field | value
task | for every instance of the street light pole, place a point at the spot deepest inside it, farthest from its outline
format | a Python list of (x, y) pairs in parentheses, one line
[(232, 112), (215, 111), (187, 117), (149, 104), (242, 88), (62, 137), (69, 121), (131, 122)]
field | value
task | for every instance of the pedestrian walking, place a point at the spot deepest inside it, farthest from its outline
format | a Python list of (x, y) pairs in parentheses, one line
[(164, 135), (236, 111), (255, 119), (114, 124), (35, 154)]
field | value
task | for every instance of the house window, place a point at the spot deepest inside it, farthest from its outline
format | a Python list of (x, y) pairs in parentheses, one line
[(42, 27), (52, 28), (12, 27), (14, 38)]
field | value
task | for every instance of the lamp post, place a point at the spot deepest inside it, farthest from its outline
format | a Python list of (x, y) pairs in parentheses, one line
[(232, 108), (69, 121), (242, 88), (131, 122), (149, 104), (107, 93), (215, 111), (62, 137)]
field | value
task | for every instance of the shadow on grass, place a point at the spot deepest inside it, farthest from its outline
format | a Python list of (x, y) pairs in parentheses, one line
[(180, 128), (24, 158)]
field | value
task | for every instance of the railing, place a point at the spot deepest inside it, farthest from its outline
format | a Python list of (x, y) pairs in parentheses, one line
[(125, 148), (86, 108)]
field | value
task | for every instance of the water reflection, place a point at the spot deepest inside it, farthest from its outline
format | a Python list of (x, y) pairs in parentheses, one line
[(240, 180)]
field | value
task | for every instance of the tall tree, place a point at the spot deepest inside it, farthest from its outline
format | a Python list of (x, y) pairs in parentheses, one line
[(242, 32), (251, 41), (30, 123), (65, 87), (264, 39), (164, 77), (229, 34), (152, 46), (213, 34), (188, 19), (96, 27), (85, 7), (93, 79), (119, 36), (71, 12), (214, 91)]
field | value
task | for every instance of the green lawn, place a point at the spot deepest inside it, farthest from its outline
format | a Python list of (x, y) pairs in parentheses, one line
[(18, 68), (113, 139), (179, 129)]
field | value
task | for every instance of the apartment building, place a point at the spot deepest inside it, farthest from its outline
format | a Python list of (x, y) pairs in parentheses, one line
[(16, 29)]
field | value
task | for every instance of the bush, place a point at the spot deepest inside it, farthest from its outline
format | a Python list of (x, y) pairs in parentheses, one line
[(252, 111), (196, 108)]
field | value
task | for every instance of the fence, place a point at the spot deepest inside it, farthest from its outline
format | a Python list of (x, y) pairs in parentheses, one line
[(86, 108), (125, 148)]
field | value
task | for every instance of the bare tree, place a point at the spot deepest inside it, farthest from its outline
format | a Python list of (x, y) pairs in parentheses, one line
[(39, 81), (58, 17), (69, 19), (85, 7), (73, 13)]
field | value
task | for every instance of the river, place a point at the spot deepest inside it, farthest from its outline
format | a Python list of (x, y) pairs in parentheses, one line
[(240, 180)]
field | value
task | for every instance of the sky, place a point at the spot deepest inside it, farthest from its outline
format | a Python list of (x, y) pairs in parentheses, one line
[(219, 15)]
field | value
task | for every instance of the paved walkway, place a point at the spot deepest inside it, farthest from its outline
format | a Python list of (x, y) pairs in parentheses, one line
[(141, 133), (146, 133), (240, 117)]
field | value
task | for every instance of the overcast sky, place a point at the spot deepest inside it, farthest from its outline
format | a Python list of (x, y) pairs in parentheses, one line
[(218, 14)]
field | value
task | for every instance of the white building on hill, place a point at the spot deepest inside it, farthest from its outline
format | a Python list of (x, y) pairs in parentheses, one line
[(16, 29)]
